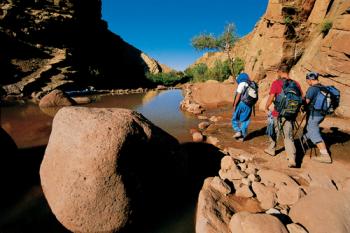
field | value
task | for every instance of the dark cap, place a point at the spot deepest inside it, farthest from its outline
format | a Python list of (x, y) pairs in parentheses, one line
[(283, 68), (312, 76)]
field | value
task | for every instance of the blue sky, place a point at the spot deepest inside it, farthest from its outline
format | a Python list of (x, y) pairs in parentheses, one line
[(163, 28)]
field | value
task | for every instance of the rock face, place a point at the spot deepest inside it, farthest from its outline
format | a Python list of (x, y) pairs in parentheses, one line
[(206, 95), (52, 43), (102, 166), (215, 208), (323, 211), (290, 32)]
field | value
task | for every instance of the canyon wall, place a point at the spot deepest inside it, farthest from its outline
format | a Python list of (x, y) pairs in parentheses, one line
[(65, 43)]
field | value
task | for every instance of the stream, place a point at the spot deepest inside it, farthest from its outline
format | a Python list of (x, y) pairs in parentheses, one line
[(30, 127)]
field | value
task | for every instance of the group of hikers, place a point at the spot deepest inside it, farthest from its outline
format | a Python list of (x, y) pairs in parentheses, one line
[(289, 100)]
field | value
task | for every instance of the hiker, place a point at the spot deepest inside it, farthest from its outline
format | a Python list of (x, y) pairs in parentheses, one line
[(283, 91), (245, 97), (314, 117)]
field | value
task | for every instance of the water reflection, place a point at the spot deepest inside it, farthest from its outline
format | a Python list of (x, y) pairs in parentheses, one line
[(30, 126)]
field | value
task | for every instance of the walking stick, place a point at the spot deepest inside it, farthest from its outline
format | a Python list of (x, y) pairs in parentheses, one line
[(299, 125)]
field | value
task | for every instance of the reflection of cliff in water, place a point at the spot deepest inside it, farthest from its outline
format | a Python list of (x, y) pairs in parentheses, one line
[(150, 95), (26, 124), (30, 126)]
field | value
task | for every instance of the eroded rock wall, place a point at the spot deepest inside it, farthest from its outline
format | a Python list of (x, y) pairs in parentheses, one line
[(58, 43), (290, 32)]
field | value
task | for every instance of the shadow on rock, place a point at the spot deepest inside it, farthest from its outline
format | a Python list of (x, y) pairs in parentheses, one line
[(23, 207), (199, 161)]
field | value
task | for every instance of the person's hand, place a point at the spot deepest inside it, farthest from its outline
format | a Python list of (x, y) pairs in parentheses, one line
[(267, 111)]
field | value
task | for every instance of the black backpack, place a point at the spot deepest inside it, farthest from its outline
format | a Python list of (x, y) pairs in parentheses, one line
[(289, 101), (327, 100), (250, 93)]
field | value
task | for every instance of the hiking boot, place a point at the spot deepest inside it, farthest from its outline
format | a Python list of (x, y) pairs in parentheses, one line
[(237, 135), (269, 151), (322, 158)]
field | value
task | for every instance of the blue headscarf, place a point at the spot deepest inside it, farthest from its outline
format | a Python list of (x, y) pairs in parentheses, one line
[(242, 77)]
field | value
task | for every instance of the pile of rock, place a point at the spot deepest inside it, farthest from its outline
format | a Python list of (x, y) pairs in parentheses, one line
[(187, 104), (247, 198)]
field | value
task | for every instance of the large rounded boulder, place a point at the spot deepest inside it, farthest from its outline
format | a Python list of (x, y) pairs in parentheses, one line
[(101, 166)]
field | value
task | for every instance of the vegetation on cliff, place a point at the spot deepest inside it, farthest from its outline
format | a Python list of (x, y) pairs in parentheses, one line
[(221, 70), (224, 42)]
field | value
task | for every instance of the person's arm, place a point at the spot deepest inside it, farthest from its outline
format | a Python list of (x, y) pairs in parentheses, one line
[(240, 89), (269, 102), (237, 99)]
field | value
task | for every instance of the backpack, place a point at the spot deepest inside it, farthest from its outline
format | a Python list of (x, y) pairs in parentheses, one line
[(289, 101), (327, 100), (250, 94)]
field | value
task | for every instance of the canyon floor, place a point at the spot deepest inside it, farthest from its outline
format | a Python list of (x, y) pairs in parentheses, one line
[(334, 131)]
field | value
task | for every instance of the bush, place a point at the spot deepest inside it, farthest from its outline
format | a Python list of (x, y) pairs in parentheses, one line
[(198, 73), (326, 26), (167, 79), (221, 71), (288, 20), (238, 66)]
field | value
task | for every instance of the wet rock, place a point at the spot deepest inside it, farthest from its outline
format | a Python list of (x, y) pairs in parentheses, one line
[(56, 98), (82, 100)]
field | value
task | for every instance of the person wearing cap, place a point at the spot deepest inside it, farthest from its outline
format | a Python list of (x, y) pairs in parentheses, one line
[(241, 111), (314, 118)]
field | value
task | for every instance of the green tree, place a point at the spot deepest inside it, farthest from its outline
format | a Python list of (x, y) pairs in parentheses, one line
[(223, 43)]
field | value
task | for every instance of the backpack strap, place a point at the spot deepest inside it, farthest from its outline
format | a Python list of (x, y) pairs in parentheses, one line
[(245, 89), (312, 104)]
